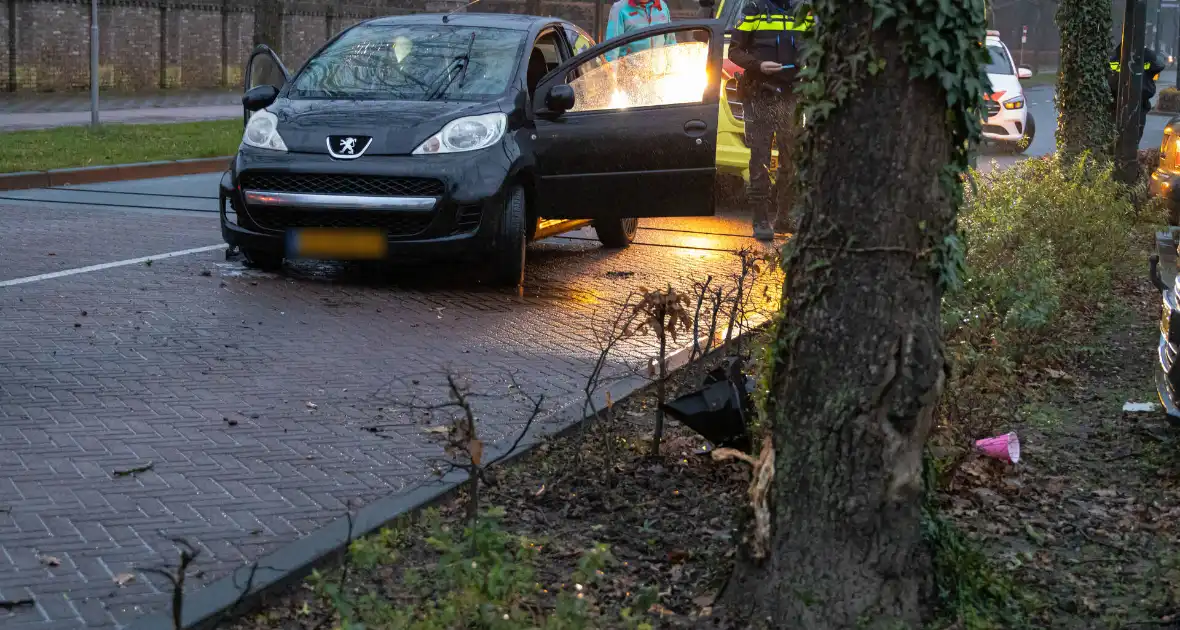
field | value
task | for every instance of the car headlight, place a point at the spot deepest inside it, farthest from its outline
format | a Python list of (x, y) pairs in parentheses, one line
[(263, 132), (1016, 103), (465, 134)]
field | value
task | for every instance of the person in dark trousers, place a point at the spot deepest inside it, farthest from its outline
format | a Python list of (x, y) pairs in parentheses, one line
[(1151, 71), (766, 44)]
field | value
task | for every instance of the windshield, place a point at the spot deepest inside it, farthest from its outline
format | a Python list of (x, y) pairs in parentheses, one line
[(999, 63), (413, 62)]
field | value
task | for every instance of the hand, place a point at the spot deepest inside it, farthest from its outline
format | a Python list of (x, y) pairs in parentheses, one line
[(770, 67)]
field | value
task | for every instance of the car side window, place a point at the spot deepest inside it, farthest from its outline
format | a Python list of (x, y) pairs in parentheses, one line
[(578, 39), (545, 56), (654, 72)]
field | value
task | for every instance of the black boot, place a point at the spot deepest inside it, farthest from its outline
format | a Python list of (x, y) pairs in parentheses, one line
[(762, 230), (784, 223)]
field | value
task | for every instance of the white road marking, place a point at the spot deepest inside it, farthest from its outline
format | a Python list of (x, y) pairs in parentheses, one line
[(121, 263)]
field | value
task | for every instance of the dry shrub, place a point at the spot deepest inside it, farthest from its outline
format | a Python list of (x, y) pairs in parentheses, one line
[(1168, 101)]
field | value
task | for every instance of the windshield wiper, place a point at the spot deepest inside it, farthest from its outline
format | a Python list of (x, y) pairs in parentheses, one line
[(465, 59)]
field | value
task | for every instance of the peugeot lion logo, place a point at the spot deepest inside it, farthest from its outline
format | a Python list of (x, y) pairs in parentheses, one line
[(348, 147)]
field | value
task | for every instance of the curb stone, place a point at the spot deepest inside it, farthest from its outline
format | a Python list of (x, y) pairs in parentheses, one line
[(111, 173)]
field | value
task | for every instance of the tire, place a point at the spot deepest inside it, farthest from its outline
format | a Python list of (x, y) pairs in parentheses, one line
[(616, 233), (258, 259), (511, 240), (1030, 132)]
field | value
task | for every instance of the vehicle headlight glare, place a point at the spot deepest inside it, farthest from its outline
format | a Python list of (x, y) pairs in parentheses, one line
[(465, 134), (263, 132), (1015, 103)]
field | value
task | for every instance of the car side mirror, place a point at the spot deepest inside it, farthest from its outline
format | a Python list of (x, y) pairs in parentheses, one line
[(1024, 73), (259, 97), (560, 98)]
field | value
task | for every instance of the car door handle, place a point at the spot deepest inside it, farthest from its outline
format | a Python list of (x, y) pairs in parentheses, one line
[(695, 127)]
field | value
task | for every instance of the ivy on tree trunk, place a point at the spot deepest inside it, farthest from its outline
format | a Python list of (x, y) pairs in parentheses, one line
[(1084, 119), (858, 358)]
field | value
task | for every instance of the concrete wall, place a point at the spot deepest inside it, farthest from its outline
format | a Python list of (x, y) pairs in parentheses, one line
[(193, 44)]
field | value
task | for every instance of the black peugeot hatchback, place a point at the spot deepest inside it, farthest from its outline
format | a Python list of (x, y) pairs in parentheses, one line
[(465, 136)]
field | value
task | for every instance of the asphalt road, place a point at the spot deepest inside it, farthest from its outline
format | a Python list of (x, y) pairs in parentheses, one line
[(259, 406), (1043, 109)]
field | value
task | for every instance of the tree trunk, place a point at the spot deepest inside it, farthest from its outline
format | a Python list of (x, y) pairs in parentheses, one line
[(268, 24), (859, 357), (1085, 120)]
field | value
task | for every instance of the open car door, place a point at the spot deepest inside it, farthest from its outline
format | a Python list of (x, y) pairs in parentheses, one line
[(628, 128), (263, 68)]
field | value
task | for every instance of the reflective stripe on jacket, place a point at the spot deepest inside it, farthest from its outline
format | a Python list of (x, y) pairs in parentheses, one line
[(767, 32), (1118, 66)]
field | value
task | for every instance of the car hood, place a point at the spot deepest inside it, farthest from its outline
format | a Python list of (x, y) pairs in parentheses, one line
[(1009, 84), (397, 127)]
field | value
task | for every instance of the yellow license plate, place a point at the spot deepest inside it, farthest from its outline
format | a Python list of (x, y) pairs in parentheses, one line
[(1165, 321), (336, 244), (774, 163)]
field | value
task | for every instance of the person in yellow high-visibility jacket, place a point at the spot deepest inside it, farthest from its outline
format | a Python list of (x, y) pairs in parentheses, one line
[(1151, 71), (766, 44)]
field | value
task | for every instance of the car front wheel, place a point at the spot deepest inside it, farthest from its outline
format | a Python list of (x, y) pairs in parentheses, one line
[(616, 233), (512, 240), (1030, 132), (258, 259)]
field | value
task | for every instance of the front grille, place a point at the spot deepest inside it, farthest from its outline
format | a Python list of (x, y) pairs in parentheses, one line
[(993, 129), (993, 108), (735, 103), (393, 223), (371, 185)]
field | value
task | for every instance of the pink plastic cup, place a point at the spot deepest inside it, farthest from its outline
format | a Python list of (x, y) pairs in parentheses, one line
[(1003, 447)]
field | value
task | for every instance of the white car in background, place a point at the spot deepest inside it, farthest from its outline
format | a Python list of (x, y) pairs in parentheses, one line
[(1008, 122)]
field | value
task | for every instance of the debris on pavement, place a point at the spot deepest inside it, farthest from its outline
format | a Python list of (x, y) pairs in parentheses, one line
[(11, 604), (130, 472), (123, 579)]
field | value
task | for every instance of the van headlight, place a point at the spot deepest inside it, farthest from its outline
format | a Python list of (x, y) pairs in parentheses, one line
[(263, 132), (470, 133)]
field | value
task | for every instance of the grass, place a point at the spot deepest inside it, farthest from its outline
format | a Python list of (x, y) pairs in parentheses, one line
[(67, 147), (1037, 80)]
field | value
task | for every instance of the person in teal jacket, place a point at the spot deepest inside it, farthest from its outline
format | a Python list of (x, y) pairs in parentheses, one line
[(631, 15)]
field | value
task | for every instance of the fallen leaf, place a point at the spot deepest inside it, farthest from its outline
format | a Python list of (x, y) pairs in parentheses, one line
[(123, 579), (704, 601), (439, 429), (659, 610), (678, 556), (50, 561), (475, 450)]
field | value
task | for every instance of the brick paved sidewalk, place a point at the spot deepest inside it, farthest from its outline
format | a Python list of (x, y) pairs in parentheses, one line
[(266, 404)]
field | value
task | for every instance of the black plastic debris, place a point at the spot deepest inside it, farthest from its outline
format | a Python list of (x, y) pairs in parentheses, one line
[(721, 410)]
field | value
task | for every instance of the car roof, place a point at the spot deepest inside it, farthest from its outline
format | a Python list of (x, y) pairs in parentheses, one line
[(487, 20)]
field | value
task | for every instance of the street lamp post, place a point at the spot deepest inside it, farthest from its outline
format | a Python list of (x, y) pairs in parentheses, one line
[(94, 63)]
